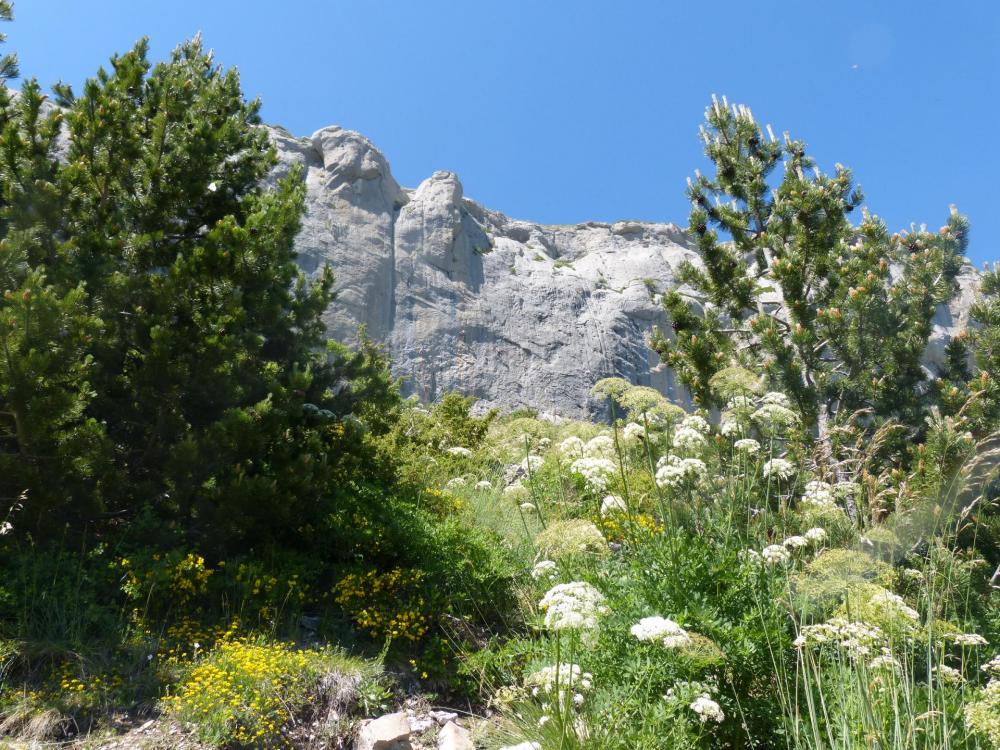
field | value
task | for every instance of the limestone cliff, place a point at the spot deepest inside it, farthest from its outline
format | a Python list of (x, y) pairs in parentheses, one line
[(467, 299)]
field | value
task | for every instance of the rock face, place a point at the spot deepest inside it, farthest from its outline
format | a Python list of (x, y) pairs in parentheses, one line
[(467, 299)]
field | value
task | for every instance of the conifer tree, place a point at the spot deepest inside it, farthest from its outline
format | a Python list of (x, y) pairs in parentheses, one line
[(163, 347), (834, 314)]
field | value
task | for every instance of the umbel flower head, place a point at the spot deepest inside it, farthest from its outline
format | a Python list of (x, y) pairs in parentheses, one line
[(779, 468), (573, 606), (661, 630)]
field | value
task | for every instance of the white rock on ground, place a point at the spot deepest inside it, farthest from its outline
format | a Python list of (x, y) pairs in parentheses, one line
[(467, 299), (389, 732), (454, 737)]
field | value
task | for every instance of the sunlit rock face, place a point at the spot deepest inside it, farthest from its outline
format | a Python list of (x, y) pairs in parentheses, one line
[(467, 299)]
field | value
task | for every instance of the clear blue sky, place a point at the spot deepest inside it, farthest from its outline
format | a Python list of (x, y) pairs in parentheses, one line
[(567, 111)]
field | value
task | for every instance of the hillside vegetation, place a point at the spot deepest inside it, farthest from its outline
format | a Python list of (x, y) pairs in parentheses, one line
[(223, 530)]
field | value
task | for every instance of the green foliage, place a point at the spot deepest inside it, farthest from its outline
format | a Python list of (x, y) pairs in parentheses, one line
[(835, 315), (164, 351)]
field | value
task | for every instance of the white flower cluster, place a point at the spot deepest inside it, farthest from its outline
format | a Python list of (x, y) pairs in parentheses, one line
[(893, 604), (775, 554), (458, 450), (601, 446), (968, 639), (779, 468), (571, 447), (748, 446), (596, 472), (558, 677), (532, 463), (732, 427), (885, 661), (816, 535), (992, 667), (772, 416), (857, 638), (573, 606), (739, 402), (690, 434), (707, 709), (672, 471), (484, 484), (796, 542), (516, 492), (633, 432), (456, 482), (613, 504), (948, 675), (543, 569), (662, 630), (776, 398), (819, 495)]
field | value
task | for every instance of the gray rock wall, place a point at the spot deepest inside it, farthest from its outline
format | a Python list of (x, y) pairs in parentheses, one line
[(467, 299)]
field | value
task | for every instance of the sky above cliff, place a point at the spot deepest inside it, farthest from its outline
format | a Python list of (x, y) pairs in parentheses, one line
[(562, 112)]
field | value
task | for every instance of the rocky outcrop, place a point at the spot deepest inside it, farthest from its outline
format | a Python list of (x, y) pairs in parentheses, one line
[(467, 299)]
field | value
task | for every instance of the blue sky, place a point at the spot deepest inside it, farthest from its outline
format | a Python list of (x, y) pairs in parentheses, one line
[(570, 111)]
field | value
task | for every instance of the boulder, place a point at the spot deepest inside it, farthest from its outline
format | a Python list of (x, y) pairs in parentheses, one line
[(389, 732)]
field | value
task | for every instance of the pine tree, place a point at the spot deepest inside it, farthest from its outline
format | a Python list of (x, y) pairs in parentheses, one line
[(835, 315), (181, 362)]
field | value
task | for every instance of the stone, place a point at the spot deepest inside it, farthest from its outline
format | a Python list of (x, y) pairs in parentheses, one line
[(464, 298), (454, 737), (389, 732), (443, 717)]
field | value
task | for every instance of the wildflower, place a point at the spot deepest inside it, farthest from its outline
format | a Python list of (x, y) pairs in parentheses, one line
[(596, 472), (688, 439), (969, 639), (543, 569), (571, 536), (673, 471), (912, 575), (948, 675), (816, 535), (600, 446), (6, 527), (885, 661), (458, 450), (776, 398), (546, 679), (544, 442), (571, 447), (992, 667), (573, 606), (532, 463), (739, 402), (796, 542), (483, 485), (696, 423), (856, 637), (516, 492), (774, 416), (894, 604), (613, 504), (633, 432), (663, 630), (747, 445), (578, 699), (774, 554), (707, 709), (543, 720), (752, 556), (732, 427), (819, 495), (779, 468), (456, 482), (528, 507)]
